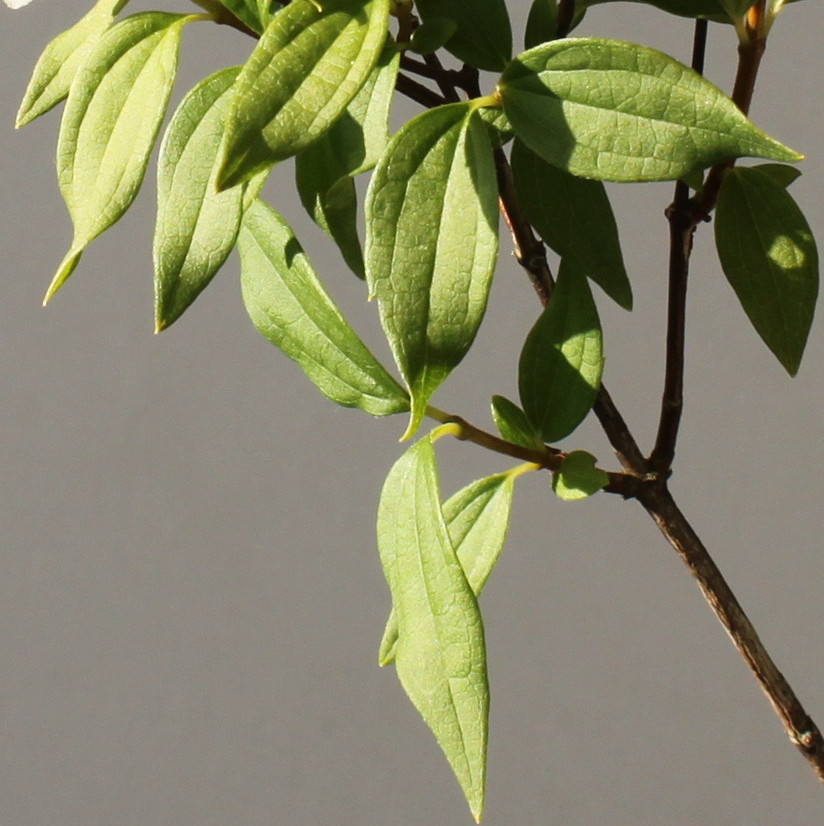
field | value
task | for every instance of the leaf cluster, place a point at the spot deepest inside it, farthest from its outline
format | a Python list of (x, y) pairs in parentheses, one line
[(557, 120)]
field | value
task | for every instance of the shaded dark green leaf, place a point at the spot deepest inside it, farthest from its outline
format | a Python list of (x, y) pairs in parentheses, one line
[(574, 216), (769, 256), (560, 368), (513, 424)]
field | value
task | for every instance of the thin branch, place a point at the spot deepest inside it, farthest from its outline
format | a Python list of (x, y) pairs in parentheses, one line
[(682, 229), (418, 92), (800, 728)]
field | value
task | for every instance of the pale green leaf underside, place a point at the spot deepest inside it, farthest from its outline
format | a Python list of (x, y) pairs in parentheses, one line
[(308, 65), (578, 478), (196, 225), (440, 656), (112, 117), (431, 244), (477, 518), (289, 306), (559, 372), (769, 256), (60, 60), (617, 111)]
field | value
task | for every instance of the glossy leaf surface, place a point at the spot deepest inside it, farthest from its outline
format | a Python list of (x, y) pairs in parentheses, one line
[(617, 111), (574, 216), (431, 243), (440, 657), (308, 65), (289, 306), (112, 118), (477, 519), (60, 60), (560, 367), (769, 256)]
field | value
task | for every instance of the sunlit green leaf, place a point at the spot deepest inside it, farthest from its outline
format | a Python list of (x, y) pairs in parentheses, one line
[(578, 478), (483, 35), (324, 170), (440, 656), (308, 65), (574, 216), (477, 518), (196, 225), (61, 59), (431, 243), (617, 111), (513, 425), (289, 306), (113, 114), (769, 256), (255, 14), (560, 367)]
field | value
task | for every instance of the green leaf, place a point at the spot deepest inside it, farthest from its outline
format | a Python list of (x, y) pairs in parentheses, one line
[(477, 519), (440, 656), (769, 256), (288, 305), (500, 129), (253, 13), (57, 66), (542, 23), (578, 478), (113, 114), (196, 225), (483, 35), (574, 216), (324, 170), (308, 65), (431, 243), (432, 34), (616, 111), (560, 367), (513, 424), (782, 174)]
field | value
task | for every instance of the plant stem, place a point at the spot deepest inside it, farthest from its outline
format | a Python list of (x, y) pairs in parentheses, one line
[(682, 230), (800, 728)]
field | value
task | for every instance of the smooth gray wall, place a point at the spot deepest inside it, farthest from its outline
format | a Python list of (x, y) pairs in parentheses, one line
[(190, 595)]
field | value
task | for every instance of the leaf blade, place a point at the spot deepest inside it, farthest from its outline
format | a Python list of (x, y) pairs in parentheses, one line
[(617, 111), (288, 305), (440, 658), (431, 244), (769, 256)]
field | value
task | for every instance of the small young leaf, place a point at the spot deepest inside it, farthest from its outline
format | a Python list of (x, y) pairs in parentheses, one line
[(769, 256), (308, 65), (324, 170), (477, 518), (61, 59), (578, 478), (253, 13), (560, 367), (513, 425), (431, 243), (288, 305), (113, 114), (574, 216), (617, 111), (483, 34), (542, 23), (440, 656)]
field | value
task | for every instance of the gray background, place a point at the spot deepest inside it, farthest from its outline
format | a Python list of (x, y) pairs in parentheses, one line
[(190, 595)]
